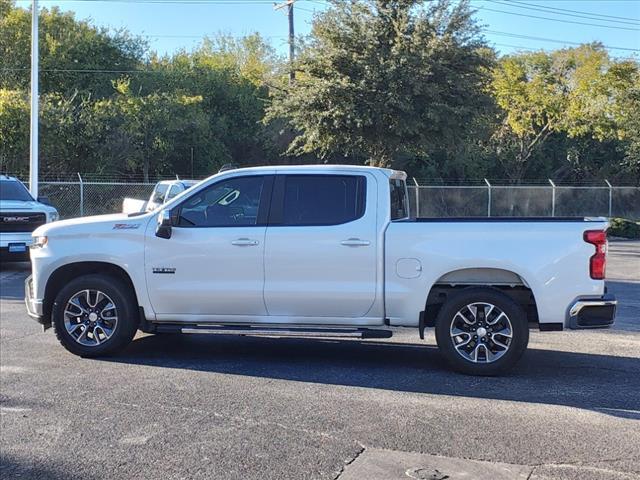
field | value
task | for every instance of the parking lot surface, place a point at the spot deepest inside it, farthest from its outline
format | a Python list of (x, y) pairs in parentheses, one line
[(205, 406)]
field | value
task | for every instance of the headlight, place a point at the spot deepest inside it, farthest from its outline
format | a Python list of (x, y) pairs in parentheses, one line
[(39, 242), (54, 216)]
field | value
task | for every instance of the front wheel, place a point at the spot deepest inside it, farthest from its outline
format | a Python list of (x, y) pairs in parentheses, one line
[(94, 315), (482, 331)]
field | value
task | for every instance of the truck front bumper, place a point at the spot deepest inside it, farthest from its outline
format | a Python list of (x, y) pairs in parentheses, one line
[(593, 312), (9, 238), (15, 245), (35, 307)]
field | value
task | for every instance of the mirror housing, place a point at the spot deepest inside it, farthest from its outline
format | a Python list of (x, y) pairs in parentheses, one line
[(44, 200), (165, 221)]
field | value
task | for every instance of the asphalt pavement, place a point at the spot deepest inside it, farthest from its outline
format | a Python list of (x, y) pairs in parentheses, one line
[(218, 407)]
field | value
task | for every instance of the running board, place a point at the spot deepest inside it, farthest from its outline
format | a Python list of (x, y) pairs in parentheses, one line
[(302, 332)]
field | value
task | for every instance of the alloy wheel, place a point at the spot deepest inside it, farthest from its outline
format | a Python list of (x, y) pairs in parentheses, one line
[(481, 332), (90, 317)]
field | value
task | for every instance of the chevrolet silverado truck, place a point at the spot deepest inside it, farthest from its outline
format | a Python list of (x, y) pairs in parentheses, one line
[(20, 215), (319, 251)]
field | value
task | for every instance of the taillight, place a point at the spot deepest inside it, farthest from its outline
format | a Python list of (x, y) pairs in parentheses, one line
[(598, 260)]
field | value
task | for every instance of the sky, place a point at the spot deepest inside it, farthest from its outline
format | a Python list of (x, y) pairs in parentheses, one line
[(171, 25)]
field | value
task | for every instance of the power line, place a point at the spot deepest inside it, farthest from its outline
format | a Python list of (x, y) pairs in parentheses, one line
[(558, 20), (81, 70), (572, 15), (554, 40), (177, 2), (266, 2), (522, 47), (516, 46), (150, 35), (637, 20)]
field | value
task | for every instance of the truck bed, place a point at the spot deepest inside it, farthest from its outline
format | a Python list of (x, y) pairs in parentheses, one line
[(505, 219)]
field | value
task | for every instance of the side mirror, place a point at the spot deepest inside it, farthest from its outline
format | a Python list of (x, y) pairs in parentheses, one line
[(44, 200), (163, 230)]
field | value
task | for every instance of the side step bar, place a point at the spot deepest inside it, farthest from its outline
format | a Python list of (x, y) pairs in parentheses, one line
[(267, 331)]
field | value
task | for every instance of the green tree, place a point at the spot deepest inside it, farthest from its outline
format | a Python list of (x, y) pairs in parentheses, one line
[(14, 130), (60, 132), (572, 91), (623, 81), (74, 55), (249, 57), (230, 76), (150, 134), (385, 79)]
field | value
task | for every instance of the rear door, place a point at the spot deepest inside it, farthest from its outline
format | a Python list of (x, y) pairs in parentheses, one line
[(320, 247)]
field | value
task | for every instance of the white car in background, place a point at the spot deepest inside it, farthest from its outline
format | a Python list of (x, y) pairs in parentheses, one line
[(162, 193), (20, 214)]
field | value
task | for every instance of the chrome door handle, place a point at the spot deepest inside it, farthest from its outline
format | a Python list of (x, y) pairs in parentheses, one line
[(244, 242), (355, 242)]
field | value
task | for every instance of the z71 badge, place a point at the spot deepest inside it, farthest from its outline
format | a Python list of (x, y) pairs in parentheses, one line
[(164, 270)]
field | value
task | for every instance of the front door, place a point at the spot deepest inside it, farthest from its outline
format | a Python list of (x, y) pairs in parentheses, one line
[(321, 246), (213, 262)]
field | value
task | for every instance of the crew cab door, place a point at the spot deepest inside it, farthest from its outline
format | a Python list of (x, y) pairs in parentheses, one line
[(321, 243), (213, 262)]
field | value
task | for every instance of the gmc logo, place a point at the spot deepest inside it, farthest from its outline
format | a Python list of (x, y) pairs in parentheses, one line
[(15, 219)]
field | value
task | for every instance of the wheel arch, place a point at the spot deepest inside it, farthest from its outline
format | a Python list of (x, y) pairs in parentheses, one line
[(66, 272), (507, 281)]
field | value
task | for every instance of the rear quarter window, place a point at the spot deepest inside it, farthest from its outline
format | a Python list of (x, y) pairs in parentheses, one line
[(399, 207)]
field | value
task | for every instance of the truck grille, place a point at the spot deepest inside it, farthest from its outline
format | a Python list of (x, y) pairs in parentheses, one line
[(21, 221)]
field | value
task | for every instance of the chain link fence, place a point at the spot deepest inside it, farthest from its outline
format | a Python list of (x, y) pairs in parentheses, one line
[(525, 201), (77, 199), (81, 198)]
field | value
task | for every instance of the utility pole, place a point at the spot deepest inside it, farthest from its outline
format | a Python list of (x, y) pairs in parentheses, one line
[(33, 143), (292, 38)]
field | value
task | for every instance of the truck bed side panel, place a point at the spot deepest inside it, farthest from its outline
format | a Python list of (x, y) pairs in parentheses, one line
[(550, 257)]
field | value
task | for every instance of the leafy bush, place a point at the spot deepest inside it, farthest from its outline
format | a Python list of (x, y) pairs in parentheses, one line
[(620, 227)]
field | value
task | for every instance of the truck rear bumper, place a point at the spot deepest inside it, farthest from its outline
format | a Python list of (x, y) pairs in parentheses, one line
[(593, 312)]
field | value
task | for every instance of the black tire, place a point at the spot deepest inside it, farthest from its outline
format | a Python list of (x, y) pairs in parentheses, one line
[(516, 345), (125, 305)]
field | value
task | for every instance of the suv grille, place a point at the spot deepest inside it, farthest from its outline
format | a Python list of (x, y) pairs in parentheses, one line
[(21, 221)]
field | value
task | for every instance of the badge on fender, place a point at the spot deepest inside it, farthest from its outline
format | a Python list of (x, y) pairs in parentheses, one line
[(164, 270), (126, 226)]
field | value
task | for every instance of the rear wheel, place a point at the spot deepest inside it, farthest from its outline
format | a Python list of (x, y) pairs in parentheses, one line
[(94, 315), (482, 331)]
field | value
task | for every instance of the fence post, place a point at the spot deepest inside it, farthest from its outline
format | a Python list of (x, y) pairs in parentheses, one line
[(81, 195), (553, 197), (489, 197), (610, 196), (415, 182)]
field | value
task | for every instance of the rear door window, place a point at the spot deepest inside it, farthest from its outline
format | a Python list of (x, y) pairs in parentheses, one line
[(323, 199)]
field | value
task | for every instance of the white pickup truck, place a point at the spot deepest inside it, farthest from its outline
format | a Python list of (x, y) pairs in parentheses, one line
[(321, 251)]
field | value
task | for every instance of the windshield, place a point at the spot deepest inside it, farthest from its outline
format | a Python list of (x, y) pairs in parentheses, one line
[(159, 193), (12, 190)]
